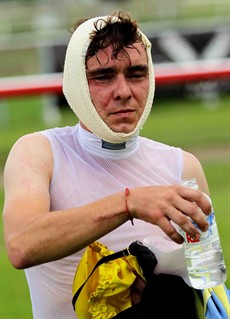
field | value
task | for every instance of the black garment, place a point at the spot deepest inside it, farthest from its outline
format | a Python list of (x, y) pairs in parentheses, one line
[(164, 297)]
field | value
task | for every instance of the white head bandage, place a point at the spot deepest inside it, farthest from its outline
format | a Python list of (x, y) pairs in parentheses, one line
[(76, 90)]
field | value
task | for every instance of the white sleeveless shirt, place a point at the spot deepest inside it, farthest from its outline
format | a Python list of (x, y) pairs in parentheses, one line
[(83, 173)]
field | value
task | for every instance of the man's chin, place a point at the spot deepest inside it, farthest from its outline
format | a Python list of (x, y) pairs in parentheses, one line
[(127, 128)]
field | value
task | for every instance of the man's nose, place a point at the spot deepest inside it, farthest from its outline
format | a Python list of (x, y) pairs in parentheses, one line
[(122, 89)]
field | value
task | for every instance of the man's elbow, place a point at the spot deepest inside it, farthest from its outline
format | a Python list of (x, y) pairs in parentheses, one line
[(17, 254)]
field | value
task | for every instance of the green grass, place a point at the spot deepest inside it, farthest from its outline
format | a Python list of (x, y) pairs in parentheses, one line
[(218, 175), (190, 123), (184, 123)]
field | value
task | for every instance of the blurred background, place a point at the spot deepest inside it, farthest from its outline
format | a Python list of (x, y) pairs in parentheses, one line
[(190, 111)]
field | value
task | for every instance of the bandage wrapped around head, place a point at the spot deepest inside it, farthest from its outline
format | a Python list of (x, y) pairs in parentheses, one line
[(76, 89)]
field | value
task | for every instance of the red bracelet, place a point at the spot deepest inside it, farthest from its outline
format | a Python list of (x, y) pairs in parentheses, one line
[(126, 205)]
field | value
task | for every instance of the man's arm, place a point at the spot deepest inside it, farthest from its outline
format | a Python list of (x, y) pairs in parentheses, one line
[(193, 169), (35, 235)]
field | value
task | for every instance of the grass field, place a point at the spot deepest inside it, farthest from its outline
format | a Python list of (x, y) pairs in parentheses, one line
[(185, 123)]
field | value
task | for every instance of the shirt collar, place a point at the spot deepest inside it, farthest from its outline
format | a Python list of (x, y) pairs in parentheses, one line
[(97, 147)]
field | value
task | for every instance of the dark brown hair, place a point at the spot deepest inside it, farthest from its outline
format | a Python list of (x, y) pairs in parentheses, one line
[(121, 34)]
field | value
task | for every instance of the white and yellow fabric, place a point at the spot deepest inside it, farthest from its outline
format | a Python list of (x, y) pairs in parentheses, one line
[(106, 293)]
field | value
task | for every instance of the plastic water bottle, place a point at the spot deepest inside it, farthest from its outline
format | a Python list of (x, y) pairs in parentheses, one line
[(204, 258)]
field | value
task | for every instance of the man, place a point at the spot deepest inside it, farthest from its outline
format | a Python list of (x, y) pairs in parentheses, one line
[(67, 187)]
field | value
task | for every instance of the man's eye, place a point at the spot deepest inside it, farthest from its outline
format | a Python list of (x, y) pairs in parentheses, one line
[(101, 77), (137, 75)]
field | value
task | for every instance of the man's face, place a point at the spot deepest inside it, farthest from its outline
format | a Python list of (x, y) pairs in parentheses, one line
[(119, 86)]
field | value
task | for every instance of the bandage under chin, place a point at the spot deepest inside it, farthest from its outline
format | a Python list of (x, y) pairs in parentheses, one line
[(76, 90)]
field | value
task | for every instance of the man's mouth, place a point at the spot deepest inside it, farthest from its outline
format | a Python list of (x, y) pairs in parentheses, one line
[(122, 112)]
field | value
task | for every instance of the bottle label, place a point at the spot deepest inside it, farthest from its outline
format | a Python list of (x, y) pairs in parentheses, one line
[(188, 239)]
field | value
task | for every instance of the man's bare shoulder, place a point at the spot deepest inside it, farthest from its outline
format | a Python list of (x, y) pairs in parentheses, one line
[(30, 152), (31, 138), (31, 143), (194, 169)]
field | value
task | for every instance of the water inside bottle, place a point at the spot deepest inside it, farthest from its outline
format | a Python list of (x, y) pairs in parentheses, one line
[(205, 264)]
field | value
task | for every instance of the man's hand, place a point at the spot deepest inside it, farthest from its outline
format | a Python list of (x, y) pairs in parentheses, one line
[(160, 205), (137, 290)]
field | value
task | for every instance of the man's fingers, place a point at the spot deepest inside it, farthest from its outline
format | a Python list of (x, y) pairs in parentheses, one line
[(137, 290), (201, 199), (168, 228), (191, 210)]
